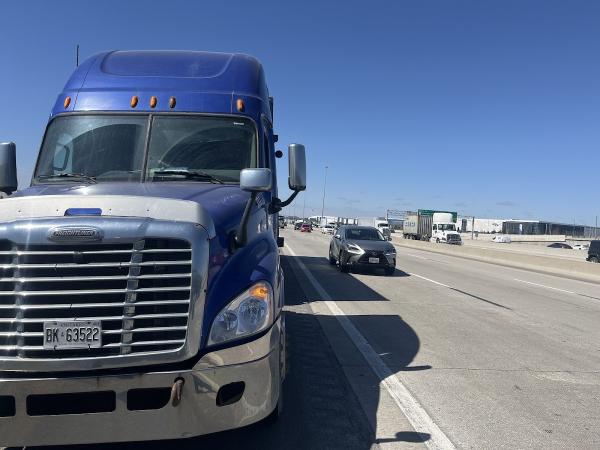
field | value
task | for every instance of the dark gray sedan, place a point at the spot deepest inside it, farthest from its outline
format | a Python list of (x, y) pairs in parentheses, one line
[(355, 246)]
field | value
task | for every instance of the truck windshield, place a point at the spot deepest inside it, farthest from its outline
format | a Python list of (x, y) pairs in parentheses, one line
[(446, 227), (97, 148)]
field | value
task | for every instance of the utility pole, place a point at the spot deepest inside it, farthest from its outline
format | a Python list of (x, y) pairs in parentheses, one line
[(304, 206), (323, 205), (473, 227)]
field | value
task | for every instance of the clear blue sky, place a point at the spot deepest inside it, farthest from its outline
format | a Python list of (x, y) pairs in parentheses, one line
[(485, 107)]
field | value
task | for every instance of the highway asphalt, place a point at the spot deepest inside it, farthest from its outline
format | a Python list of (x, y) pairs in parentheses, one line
[(446, 353), (496, 357)]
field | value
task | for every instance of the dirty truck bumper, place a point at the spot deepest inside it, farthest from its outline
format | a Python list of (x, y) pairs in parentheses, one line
[(41, 417)]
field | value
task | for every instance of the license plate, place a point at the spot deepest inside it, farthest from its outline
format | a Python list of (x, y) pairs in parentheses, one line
[(63, 334), (374, 260)]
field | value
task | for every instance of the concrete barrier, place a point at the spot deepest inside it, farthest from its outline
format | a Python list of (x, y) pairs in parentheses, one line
[(580, 270)]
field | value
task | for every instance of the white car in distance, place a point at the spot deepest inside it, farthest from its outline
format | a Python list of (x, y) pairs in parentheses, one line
[(581, 247), (502, 239), (327, 229)]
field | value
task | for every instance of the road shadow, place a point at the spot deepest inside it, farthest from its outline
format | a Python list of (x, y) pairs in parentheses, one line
[(401, 344), (348, 288), (379, 272)]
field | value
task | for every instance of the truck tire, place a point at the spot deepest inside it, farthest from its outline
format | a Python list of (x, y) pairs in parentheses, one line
[(594, 259), (437, 240), (331, 258), (344, 268)]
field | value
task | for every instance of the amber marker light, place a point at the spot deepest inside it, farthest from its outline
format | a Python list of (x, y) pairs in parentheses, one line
[(153, 101), (240, 105), (67, 102), (260, 291), (172, 102), (134, 101)]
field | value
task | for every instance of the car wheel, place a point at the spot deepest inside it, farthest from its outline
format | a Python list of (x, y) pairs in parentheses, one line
[(594, 259), (437, 241), (331, 258), (343, 267), (390, 270)]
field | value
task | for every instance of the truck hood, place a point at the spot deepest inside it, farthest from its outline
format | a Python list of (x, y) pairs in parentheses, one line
[(224, 203)]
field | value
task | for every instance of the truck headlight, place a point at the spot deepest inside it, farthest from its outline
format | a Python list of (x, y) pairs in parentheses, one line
[(249, 313), (390, 252), (353, 248)]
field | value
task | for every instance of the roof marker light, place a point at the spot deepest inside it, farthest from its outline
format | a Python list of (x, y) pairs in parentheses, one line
[(134, 101), (240, 105), (172, 102), (153, 101), (67, 102)]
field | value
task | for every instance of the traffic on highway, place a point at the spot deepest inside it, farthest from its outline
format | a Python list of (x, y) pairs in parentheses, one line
[(178, 270)]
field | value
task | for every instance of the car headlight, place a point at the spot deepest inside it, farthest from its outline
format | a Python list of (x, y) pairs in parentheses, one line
[(390, 251), (249, 313), (353, 248)]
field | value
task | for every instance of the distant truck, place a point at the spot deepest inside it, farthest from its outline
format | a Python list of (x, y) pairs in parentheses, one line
[(426, 224), (378, 222)]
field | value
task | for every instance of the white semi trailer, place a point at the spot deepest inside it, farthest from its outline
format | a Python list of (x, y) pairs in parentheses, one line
[(380, 223)]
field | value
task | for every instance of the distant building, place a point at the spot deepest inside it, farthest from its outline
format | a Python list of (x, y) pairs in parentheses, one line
[(468, 224), (539, 227)]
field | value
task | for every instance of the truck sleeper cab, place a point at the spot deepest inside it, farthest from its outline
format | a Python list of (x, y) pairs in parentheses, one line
[(142, 290)]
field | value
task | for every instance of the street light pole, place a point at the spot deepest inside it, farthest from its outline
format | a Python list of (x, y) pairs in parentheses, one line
[(304, 207), (323, 205)]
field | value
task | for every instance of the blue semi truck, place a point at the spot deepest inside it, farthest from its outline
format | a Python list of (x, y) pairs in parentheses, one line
[(141, 289)]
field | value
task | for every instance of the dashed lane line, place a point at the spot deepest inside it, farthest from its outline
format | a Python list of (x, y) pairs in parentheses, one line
[(410, 407), (557, 289)]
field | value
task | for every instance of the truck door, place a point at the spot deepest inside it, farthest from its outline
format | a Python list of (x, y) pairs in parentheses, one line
[(268, 161)]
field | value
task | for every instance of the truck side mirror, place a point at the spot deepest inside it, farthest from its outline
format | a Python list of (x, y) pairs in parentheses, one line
[(8, 167), (297, 167), (255, 180)]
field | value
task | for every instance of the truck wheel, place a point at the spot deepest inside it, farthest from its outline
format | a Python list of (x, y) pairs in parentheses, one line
[(331, 258), (437, 241), (343, 267), (594, 259)]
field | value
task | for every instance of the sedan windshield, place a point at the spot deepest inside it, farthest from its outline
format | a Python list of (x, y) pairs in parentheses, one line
[(364, 234), (96, 148)]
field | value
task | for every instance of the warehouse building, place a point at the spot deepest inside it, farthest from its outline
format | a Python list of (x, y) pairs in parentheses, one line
[(538, 227)]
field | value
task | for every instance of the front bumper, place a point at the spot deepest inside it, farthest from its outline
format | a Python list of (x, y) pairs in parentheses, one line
[(359, 261), (257, 364)]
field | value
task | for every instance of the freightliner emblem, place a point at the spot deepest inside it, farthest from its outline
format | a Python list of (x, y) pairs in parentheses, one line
[(75, 234)]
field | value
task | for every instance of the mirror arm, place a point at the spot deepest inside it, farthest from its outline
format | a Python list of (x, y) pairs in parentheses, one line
[(240, 237), (277, 205)]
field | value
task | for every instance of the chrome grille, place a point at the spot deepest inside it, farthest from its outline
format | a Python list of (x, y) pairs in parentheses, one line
[(140, 291)]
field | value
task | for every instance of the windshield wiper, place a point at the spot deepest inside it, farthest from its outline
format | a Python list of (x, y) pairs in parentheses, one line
[(77, 176), (196, 175)]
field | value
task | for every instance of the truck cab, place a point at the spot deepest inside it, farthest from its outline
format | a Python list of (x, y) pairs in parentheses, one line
[(142, 290), (444, 229)]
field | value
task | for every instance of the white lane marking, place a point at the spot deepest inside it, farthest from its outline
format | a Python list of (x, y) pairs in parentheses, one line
[(410, 407), (430, 280), (547, 287)]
